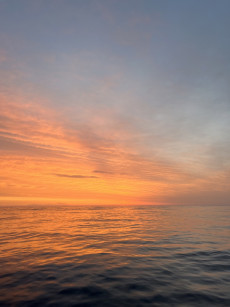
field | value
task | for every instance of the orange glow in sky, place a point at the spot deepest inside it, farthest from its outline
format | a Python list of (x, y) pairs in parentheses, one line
[(128, 118)]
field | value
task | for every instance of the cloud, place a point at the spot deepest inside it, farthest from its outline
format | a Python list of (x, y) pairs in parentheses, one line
[(31, 129), (75, 176), (102, 172)]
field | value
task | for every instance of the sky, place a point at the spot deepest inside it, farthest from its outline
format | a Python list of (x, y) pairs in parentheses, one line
[(115, 102)]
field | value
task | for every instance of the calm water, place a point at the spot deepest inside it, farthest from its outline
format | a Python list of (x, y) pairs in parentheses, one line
[(115, 256)]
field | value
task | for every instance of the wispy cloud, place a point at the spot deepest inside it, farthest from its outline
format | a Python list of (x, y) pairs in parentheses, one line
[(102, 172), (39, 143), (75, 176)]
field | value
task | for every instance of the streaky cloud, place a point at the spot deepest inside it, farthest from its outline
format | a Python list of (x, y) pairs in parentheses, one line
[(102, 172), (75, 176)]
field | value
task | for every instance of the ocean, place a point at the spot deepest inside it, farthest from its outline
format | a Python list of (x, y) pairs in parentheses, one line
[(115, 256)]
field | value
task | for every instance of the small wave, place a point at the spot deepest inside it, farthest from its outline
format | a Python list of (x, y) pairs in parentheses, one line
[(90, 262)]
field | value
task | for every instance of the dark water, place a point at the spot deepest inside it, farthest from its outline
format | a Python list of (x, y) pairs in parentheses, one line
[(115, 256)]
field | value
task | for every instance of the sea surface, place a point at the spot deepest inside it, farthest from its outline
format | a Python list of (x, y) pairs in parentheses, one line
[(115, 256)]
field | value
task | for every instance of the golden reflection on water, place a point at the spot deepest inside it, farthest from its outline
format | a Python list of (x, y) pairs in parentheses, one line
[(63, 248), (96, 230)]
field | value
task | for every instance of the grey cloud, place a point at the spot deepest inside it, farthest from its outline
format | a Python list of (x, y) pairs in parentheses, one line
[(75, 176), (102, 172)]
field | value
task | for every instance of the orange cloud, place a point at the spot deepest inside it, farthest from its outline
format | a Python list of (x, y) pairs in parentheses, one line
[(47, 158), (44, 157)]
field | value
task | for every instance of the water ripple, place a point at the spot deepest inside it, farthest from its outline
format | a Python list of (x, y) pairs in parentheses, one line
[(115, 256)]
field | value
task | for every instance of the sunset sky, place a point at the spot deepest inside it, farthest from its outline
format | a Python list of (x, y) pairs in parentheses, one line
[(115, 102)]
